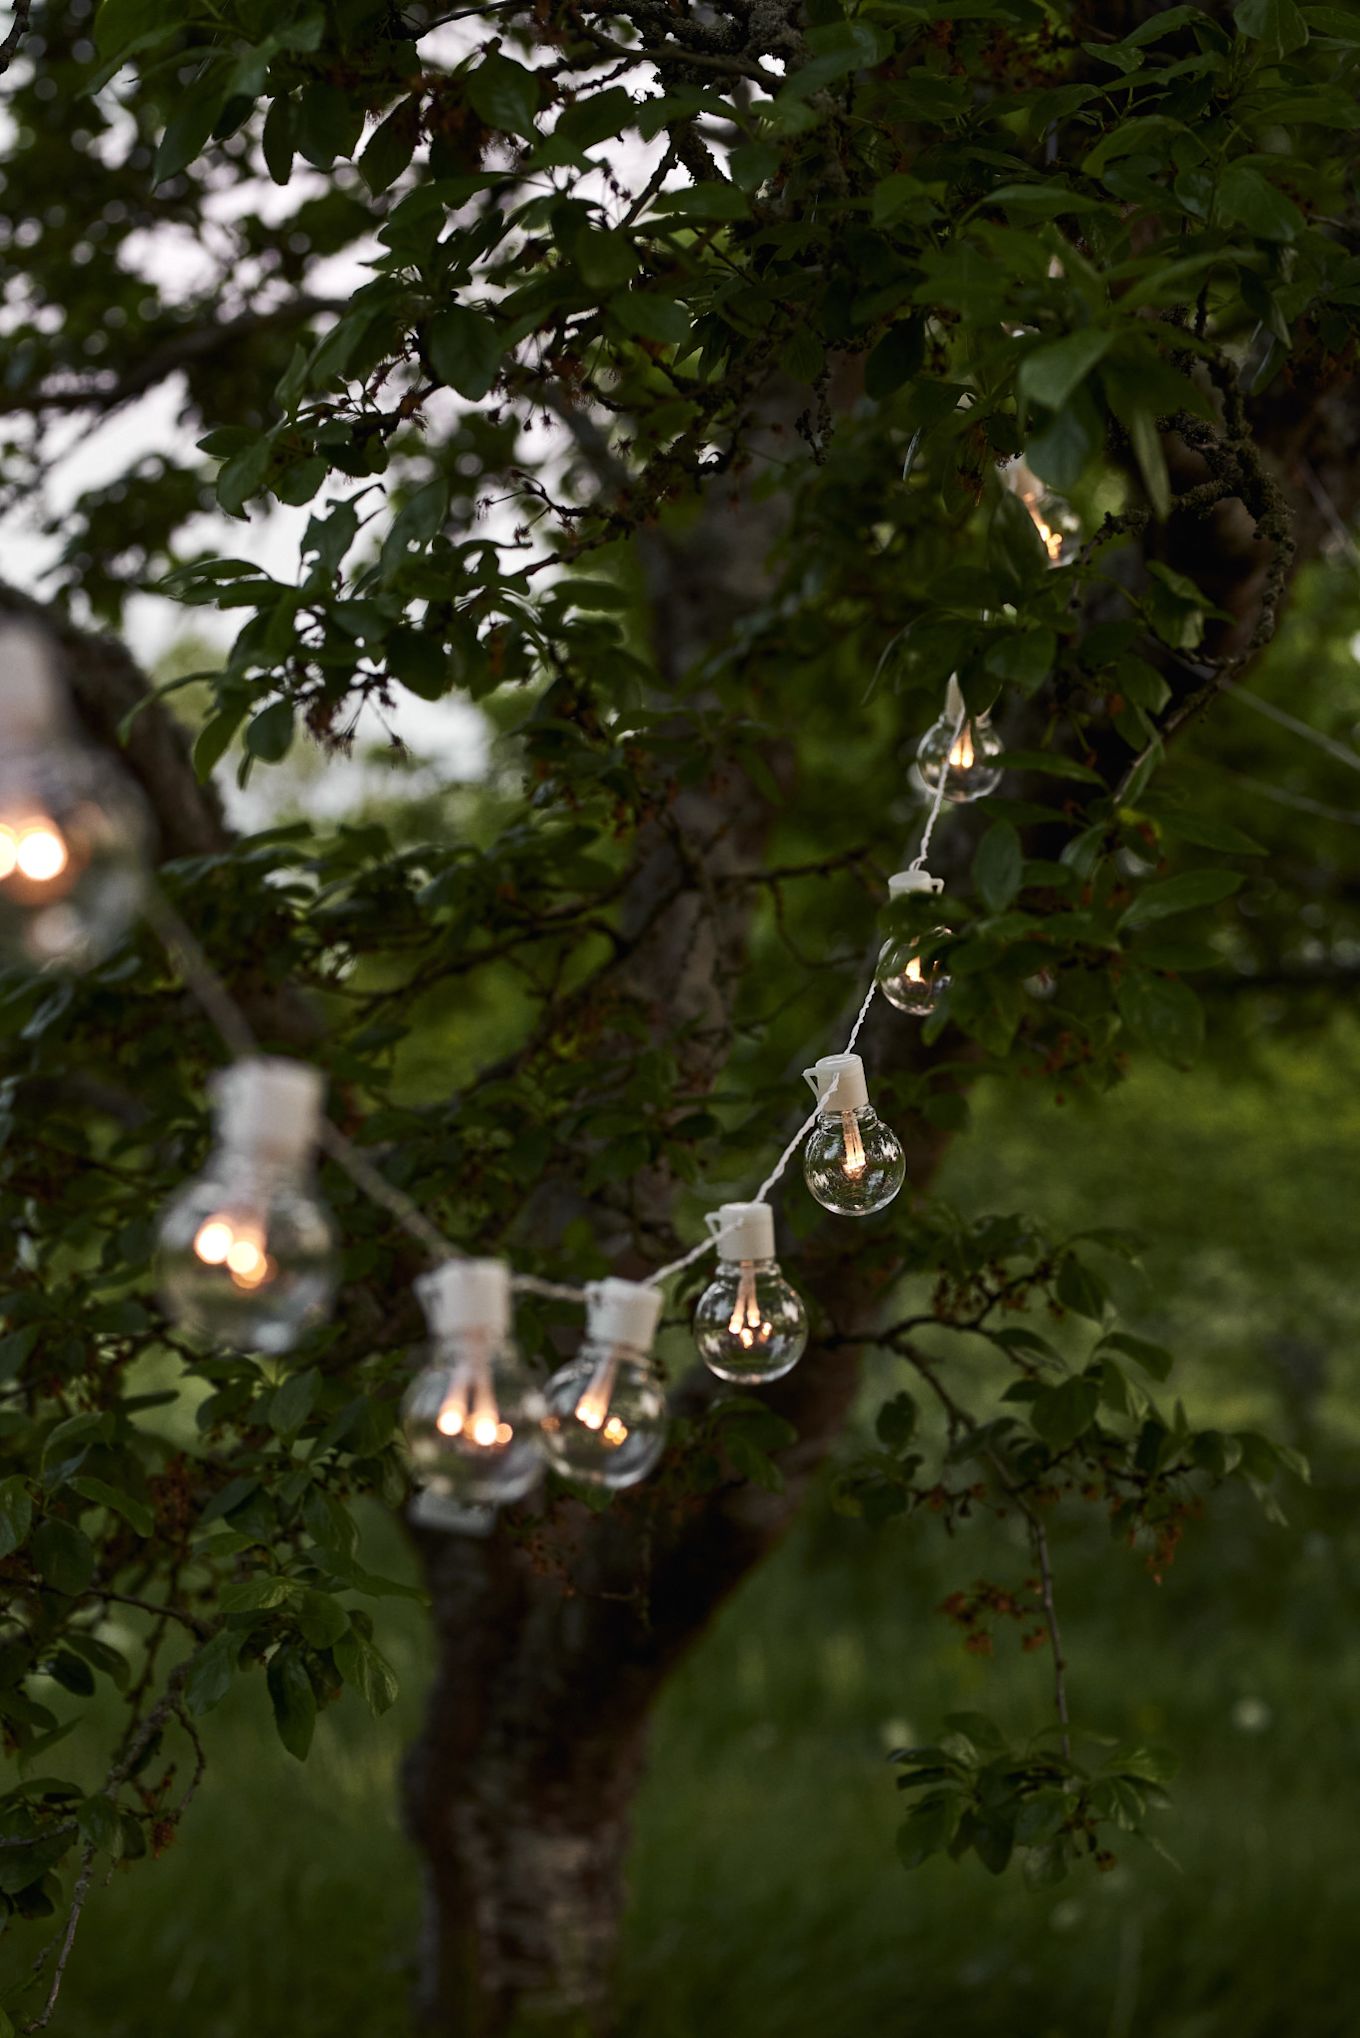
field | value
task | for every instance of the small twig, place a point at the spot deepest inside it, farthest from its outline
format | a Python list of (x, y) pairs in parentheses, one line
[(18, 28), (78, 1896)]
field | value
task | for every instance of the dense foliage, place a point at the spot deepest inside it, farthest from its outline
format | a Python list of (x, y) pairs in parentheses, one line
[(665, 418)]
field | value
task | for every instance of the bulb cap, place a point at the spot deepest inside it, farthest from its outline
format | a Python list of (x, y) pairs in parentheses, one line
[(33, 703), (270, 1106), (622, 1313), (904, 882), (838, 1082), (467, 1295), (742, 1231)]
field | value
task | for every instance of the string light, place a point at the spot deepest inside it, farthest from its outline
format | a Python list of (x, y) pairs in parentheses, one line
[(750, 1326), (906, 981), (473, 1416), (959, 752), (246, 1253), (606, 1416), (73, 830), (247, 1250), (852, 1162)]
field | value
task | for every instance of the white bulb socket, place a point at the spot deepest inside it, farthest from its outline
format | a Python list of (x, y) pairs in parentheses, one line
[(465, 1295), (903, 883), (269, 1107), (33, 707), (838, 1080), (622, 1313), (742, 1231)]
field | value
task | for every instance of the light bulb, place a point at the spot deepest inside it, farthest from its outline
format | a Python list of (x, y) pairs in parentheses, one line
[(606, 1421), (749, 1324), (904, 979), (852, 1162), (473, 1415), (1054, 519), (247, 1251), (73, 829), (961, 748)]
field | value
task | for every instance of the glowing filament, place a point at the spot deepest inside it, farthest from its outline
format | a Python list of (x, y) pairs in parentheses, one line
[(912, 972), (35, 849), (747, 1322), (592, 1410), (219, 1244), (961, 756), (214, 1242), (854, 1163), (1052, 540), (615, 1432)]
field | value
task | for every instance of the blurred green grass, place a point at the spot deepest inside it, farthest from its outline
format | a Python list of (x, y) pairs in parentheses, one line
[(766, 1898)]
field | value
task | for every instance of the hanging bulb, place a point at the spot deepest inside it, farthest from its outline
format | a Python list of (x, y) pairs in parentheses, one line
[(1054, 519), (73, 829), (473, 1414), (247, 1250), (963, 749), (749, 1325), (905, 981), (606, 1420), (852, 1162)]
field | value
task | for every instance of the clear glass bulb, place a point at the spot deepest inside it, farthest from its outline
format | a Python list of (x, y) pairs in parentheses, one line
[(965, 758), (473, 1420), (73, 840), (606, 1421), (750, 1325), (907, 982), (247, 1253), (1053, 518), (852, 1162)]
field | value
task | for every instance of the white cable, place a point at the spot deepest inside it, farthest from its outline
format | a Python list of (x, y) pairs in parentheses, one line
[(933, 816)]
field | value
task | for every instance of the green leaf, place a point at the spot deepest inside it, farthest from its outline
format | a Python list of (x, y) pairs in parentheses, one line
[(64, 1556), (1165, 1013), (465, 351), (1024, 658), (1079, 1287), (391, 146), (321, 1618), (215, 737), (100, 1825), (269, 735), (277, 140), (930, 1828), (293, 1401), (1184, 893), (1153, 1358), (16, 1514), (327, 123), (243, 476), (1068, 443), (504, 94), (135, 1513), (365, 1668), (997, 865), (210, 1673), (1246, 198), (1050, 374), (1277, 22), (1063, 1413), (189, 126), (294, 1701), (898, 357), (648, 316), (896, 1422)]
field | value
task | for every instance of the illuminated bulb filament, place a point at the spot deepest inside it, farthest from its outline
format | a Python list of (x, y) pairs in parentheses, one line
[(218, 1244), (214, 1242), (854, 1163), (35, 849), (961, 756), (593, 1407), (1052, 540), (615, 1432), (747, 1322)]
